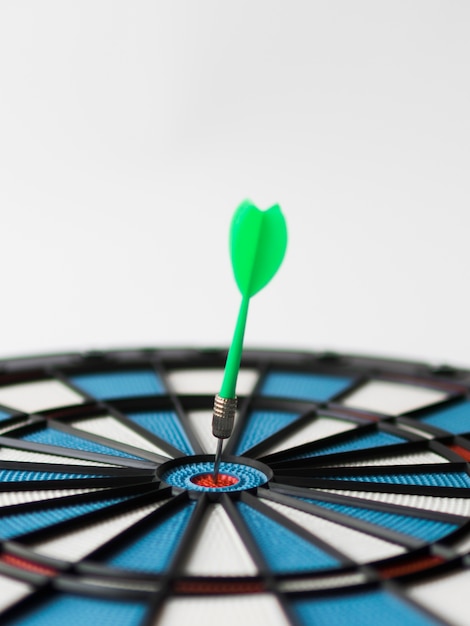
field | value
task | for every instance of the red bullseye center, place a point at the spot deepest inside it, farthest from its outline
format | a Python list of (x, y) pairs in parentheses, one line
[(207, 480)]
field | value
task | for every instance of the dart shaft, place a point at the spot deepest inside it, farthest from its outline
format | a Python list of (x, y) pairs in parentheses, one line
[(232, 365)]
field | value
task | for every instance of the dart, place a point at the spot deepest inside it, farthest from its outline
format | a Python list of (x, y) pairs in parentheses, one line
[(258, 241)]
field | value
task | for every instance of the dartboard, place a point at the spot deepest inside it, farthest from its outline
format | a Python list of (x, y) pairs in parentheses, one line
[(343, 495)]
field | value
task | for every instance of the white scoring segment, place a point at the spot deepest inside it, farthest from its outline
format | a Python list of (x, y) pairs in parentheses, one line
[(7, 498), (447, 596), (234, 610), (217, 549), (12, 591), (78, 543), (358, 546), (392, 398), (325, 582), (318, 428), (420, 458), (38, 396), (454, 506), (28, 456), (201, 424), (110, 428), (208, 381)]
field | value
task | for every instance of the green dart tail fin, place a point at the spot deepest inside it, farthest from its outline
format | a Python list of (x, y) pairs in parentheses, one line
[(258, 242)]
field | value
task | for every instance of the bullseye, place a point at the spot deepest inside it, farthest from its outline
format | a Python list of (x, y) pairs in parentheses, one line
[(196, 473), (207, 480)]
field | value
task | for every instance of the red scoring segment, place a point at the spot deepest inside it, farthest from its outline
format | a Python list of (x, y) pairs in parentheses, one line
[(207, 480), (30, 566)]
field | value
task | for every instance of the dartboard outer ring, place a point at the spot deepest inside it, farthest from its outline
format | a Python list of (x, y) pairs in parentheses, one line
[(352, 505)]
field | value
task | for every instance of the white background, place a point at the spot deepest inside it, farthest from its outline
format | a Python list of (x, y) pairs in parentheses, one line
[(130, 131)]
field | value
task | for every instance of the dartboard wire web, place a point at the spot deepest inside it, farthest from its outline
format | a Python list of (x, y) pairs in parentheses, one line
[(347, 501)]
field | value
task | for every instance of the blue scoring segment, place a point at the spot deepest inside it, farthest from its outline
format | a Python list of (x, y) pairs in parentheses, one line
[(163, 424), (367, 608), (13, 476), (436, 479), (425, 529), (4, 415), (454, 419), (262, 424), (113, 385), (304, 386), (59, 438), (284, 550), (17, 524), (152, 549), (354, 442), (74, 610)]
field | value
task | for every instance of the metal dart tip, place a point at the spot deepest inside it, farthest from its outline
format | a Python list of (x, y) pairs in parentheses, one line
[(218, 456)]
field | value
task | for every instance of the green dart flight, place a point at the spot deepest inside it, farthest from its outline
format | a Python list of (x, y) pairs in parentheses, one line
[(258, 241)]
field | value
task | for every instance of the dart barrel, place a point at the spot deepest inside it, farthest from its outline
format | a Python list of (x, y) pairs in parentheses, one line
[(223, 416)]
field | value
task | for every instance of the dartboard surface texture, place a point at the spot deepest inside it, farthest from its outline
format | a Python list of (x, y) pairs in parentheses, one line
[(343, 496)]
